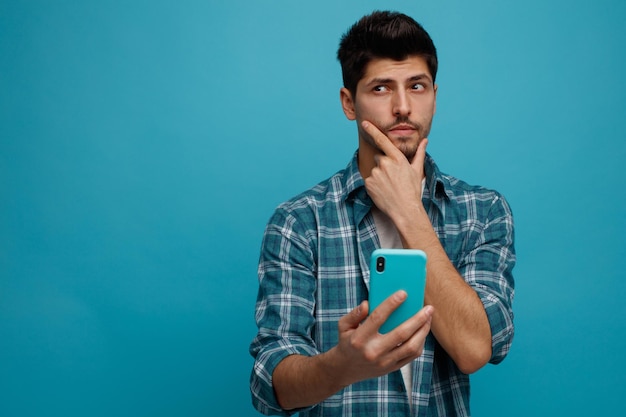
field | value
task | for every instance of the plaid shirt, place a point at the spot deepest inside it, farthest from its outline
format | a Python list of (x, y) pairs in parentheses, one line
[(314, 268)]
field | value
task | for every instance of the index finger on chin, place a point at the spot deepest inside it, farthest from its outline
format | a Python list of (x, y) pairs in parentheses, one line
[(380, 139)]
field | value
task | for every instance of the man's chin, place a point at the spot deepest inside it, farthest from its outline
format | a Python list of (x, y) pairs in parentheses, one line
[(405, 146), (408, 152), (409, 155)]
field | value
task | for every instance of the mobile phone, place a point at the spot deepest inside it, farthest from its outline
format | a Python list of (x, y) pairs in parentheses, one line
[(397, 269)]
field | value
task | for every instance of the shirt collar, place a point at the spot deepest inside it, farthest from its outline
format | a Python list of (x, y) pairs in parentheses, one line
[(352, 180), (437, 184)]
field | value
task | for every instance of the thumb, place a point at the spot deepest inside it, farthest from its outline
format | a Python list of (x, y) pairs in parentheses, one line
[(353, 319), (420, 156)]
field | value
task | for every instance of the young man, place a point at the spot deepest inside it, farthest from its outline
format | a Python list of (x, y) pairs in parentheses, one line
[(318, 350)]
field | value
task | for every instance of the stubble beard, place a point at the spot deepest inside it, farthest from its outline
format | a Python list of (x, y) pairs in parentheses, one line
[(403, 143)]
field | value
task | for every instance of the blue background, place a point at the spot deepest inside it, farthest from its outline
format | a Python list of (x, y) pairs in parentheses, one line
[(144, 144)]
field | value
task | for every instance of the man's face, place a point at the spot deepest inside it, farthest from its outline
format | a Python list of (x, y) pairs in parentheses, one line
[(398, 97)]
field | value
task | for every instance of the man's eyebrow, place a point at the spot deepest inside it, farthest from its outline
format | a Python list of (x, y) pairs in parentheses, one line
[(380, 81), (420, 77), (417, 77)]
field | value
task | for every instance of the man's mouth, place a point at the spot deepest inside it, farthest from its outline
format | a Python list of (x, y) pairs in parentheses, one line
[(403, 129)]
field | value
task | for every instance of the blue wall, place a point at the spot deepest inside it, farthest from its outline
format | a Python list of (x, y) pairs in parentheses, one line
[(144, 144)]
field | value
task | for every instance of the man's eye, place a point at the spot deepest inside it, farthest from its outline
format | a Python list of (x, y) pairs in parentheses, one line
[(380, 88), (418, 87)]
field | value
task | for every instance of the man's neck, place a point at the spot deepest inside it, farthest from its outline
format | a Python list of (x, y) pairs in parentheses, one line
[(366, 158)]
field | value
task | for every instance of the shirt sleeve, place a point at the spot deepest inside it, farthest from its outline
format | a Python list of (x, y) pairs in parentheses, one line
[(285, 305), (488, 266)]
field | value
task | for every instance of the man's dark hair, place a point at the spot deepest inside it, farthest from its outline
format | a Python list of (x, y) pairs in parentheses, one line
[(383, 34)]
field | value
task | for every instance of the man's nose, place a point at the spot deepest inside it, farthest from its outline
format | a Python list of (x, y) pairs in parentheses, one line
[(401, 104)]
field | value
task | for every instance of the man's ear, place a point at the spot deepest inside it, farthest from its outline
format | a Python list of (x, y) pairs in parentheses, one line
[(347, 103), (435, 105)]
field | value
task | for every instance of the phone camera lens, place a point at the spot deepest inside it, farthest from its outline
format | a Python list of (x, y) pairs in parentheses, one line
[(380, 264)]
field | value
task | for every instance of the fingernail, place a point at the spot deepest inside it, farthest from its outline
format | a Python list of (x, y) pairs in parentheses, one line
[(400, 295)]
